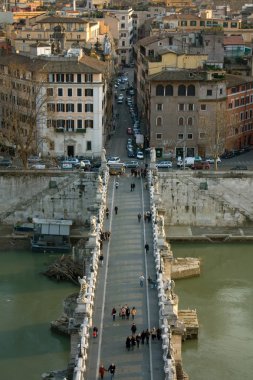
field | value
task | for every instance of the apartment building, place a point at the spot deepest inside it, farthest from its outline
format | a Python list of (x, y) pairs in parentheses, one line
[(60, 32), (75, 115), (120, 24)]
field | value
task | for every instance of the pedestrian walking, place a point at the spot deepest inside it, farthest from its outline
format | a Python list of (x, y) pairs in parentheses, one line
[(147, 335), (143, 336), (138, 339), (146, 246), (107, 213), (141, 278), (123, 312), (133, 341), (116, 210), (127, 312), (102, 371), (133, 328), (128, 343), (153, 333), (116, 185), (139, 217), (95, 332), (133, 186), (133, 312), (114, 312), (101, 259), (111, 370), (158, 333)]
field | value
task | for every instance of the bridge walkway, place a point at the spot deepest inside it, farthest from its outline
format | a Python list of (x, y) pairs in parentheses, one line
[(124, 261)]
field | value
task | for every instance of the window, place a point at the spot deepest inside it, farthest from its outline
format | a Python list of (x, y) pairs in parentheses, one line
[(190, 121), (202, 23), (209, 92), (159, 121), (79, 107), (242, 101), (225, 24), (123, 43), (159, 90), (241, 115), (69, 91), (221, 91), (60, 107), (169, 90), (89, 107), (88, 92), (79, 92), (180, 136), (122, 26), (159, 107), (191, 107), (70, 78), (79, 78), (230, 105), (202, 135), (70, 125), (203, 107), (181, 90), (158, 136), (191, 90), (181, 107), (189, 136), (78, 36), (236, 102), (79, 124), (59, 77), (60, 92), (88, 78), (60, 123), (123, 18), (88, 123), (69, 107), (181, 121), (88, 145), (193, 23), (50, 107), (50, 92)]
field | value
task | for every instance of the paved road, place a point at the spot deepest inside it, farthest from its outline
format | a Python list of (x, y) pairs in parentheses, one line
[(118, 285)]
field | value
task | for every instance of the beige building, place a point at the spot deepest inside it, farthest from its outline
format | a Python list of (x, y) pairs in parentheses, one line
[(60, 32), (76, 108), (173, 90)]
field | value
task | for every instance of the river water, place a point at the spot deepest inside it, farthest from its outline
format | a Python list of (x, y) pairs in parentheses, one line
[(28, 302), (223, 297)]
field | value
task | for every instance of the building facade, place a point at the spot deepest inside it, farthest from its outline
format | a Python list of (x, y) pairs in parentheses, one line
[(73, 96)]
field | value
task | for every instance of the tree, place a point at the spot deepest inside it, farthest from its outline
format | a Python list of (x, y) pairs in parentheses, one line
[(23, 99), (216, 130)]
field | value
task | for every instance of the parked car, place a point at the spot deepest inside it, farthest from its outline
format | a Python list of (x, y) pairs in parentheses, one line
[(33, 159), (39, 166), (239, 167), (211, 160), (164, 164), (74, 161), (200, 165), (132, 164), (140, 155), (113, 160), (5, 162), (130, 153)]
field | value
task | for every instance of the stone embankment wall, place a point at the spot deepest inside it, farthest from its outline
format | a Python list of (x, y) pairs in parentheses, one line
[(205, 200), (59, 195)]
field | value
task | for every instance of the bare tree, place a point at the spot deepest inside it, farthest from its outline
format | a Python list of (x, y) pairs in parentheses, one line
[(23, 107), (216, 131)]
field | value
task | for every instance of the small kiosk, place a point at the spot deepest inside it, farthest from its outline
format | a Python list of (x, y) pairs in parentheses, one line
[(51, 235)]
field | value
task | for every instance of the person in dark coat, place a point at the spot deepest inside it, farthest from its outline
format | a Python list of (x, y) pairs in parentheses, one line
[(133, 328), (114, 312), (138, 339), (143, 336), (116, 210), (146, 246), (111, 370), (133, 341), (128, 343), (158, 333), (147, 335), (127, 312)]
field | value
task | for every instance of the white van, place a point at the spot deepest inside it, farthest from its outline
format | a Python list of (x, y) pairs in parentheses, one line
[(189, 161)]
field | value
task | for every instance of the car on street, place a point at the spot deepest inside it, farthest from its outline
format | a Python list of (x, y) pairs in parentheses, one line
[(239, 167), (5, 162), (74, 161), (200, 165), (211, 160), (39, 166), (113, 160), (132, 164), (140, 155), (164, 164), (130, 153)]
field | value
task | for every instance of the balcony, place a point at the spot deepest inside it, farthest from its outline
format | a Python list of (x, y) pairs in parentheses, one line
[(80, 130)]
